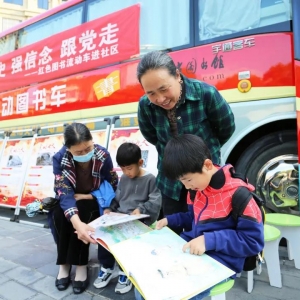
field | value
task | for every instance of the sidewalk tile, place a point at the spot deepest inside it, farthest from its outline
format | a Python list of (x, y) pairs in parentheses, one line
[(14, 252), (24, 275), (42, 297), (12, 290), (84, 295), (29, 235), (50, 269), (8, 242), (3, 278), (6, 265), (37, 259), (47, 286)]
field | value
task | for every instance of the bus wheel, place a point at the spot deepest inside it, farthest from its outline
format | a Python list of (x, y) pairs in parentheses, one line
[(271, 165)]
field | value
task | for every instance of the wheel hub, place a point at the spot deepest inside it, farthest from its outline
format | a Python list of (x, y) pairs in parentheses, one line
[(277, 183)]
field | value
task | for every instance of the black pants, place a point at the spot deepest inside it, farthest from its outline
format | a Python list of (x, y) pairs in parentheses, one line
[(171, 206), (71, 250)]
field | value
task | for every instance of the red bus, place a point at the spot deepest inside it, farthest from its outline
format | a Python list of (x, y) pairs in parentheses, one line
[(78, 62)]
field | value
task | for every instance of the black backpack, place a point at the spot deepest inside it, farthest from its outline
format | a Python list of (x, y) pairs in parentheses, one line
[(240, 200)]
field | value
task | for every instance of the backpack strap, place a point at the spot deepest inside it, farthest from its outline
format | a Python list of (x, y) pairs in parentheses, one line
[(240, 200), (237, 175)]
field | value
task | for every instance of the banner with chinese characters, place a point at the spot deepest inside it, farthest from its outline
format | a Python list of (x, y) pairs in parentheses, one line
[(13, 164), (100, 42), (92, 89), (39, 179), (133, 135)]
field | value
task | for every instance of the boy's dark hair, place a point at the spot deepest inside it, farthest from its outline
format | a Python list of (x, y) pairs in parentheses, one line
[(184, 154), (128, 154), (75, 134)]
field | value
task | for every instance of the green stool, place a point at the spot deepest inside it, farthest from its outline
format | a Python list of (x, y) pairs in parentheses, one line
[(289, 226), (218, 292), (271, 256)]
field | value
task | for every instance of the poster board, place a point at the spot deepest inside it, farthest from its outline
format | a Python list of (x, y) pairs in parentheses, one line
[(2, 141), (39, 180), (100, 137), (120, 134), (13, 165)]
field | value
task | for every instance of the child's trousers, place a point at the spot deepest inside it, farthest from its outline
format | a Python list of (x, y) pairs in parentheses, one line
[(105, 258)]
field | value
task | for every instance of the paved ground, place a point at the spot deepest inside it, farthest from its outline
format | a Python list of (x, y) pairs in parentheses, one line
[(28, 270)]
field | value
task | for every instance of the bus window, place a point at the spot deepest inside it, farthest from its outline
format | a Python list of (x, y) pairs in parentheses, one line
[(62, 21), (226, 17), (8, 43), (163, 24)]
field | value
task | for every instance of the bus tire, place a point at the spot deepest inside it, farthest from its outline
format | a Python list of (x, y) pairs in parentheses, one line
[(268, 154)]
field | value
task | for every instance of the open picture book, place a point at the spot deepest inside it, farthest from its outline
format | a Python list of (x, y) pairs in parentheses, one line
[(155, 263)]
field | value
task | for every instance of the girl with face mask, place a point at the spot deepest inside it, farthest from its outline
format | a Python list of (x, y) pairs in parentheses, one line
[(79, 168)]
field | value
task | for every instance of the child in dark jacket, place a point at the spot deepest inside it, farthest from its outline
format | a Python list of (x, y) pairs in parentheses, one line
[(211, 228)]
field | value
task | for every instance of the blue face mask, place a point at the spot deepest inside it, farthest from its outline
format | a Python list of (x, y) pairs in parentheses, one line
[(84, 158)]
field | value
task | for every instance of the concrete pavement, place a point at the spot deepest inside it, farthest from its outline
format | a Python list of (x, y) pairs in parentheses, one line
[(28, 270)]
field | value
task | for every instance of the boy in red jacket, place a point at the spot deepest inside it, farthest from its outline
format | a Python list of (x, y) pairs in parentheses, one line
[(211, 229)]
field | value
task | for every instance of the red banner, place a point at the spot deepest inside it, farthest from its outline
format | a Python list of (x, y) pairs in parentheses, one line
[(103, 41), (103, 87)]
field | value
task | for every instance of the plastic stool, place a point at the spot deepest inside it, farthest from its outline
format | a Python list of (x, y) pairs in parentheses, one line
[(289, 226), (271, 256), (218, 292)]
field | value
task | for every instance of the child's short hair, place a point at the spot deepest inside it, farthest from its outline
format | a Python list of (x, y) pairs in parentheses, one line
[(128, 154), (184, 154)]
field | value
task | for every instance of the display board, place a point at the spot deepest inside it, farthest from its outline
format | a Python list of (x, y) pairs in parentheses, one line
[(39, 179), (100, 137), (13, 165)]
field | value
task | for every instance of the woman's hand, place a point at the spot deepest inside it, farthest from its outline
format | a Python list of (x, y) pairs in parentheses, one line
[(161, 223), (83, 230), (136, 212), (196, 246)]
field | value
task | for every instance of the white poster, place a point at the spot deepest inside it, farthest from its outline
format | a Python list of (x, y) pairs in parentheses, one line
[(13, 165), (39, 181)]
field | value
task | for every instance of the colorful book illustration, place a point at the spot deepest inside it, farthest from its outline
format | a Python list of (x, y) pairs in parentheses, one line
[(114, 228), (155, 263)]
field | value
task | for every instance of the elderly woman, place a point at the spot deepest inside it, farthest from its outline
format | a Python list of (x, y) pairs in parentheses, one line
[(174, 105)]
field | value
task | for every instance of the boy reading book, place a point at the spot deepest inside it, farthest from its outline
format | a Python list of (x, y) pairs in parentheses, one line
[(212, 229), (136, 194)]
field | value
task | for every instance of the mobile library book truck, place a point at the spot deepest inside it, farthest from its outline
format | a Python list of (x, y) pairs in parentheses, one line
[(77, 62)]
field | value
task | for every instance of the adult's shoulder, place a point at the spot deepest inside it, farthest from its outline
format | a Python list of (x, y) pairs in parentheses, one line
[(196, 89), (100, 148), (144, 101), (58, 155)]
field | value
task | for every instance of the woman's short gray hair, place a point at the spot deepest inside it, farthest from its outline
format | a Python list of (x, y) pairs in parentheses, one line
[(155, 60)]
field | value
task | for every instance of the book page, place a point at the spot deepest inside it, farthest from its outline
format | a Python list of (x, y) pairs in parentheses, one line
[(117, 233), (162, 271), (115, 218)]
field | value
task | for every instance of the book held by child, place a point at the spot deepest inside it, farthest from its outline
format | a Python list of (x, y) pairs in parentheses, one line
[(155, 263)]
